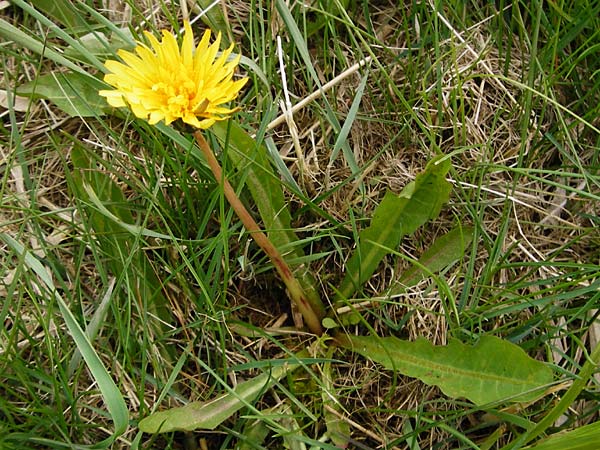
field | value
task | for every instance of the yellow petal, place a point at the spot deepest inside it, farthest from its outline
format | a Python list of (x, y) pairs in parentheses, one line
[(187, 47), (164, 81)]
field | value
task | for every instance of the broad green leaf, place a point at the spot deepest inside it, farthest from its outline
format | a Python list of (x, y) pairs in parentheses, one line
[(444, 252), (396, 216), (329, 324), (267, 193), (592, 362), (582, 438), (251, 159), (493, 370), (209, 415), (72, 92), (108, 389)]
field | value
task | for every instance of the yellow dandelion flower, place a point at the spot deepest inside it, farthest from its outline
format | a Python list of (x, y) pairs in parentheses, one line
[(166, 82)]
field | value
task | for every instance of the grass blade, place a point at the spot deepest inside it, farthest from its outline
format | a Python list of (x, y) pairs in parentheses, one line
[(267, 193), (110, 393), (583, 438)]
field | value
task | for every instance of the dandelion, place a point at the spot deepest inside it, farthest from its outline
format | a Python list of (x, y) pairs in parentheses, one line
[(168, 82)]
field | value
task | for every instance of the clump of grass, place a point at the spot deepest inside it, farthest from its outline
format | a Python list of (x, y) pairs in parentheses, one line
[(510, 90)]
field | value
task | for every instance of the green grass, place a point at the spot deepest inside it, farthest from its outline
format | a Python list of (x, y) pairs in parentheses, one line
[(176, 300)]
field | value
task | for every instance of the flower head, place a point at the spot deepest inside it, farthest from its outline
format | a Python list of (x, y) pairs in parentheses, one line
[(168, 82)]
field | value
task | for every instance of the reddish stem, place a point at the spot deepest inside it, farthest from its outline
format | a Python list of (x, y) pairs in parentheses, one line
[(295, 290)]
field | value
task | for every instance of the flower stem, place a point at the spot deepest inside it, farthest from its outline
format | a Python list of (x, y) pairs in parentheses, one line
[(295, 290)]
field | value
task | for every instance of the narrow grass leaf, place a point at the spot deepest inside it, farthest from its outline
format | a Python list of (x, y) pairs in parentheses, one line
[(297, 37), (62, 34), (254, 434), (252, 160), (337, 428), (12, 34), (343, 134), (582, 438), (567, 399), (110, 393), (396, 216), (278, 161), (212, 15), (292, 434), (94, 325), (64, 11), (98, 44), (119, 34), (323, 16), (209, 415), (301, 45), (110, 215), (253, 67), (72, 92), (493, 370), (135, 230)]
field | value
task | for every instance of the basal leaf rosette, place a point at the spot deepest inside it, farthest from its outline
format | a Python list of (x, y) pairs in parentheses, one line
[(165, 81)]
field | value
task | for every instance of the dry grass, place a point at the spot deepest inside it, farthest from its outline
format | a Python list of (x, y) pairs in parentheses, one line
[(533, 217)]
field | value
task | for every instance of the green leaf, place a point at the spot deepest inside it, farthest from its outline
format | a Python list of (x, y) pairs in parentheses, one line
[(329, 324), (592, 362), (582, 438), (337, 428), (292, 432), (108, 389), (64, 11), (444, 252), (265, 187), (216, 20), (40, 46), (72, 92), (255, 432), (341, 142), (13, 34), (209, 415), (493, 370), (395, 217), (98, 44), (300, 43), (110, 216), (330, 9)]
